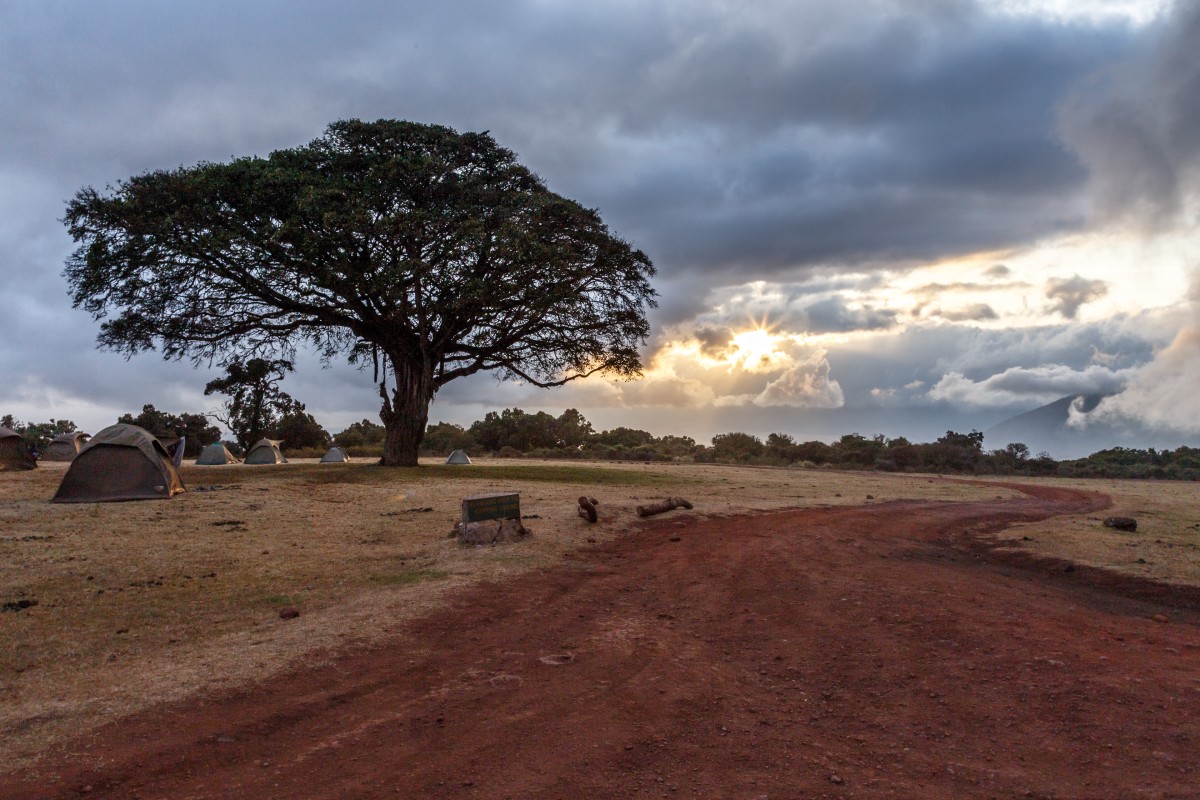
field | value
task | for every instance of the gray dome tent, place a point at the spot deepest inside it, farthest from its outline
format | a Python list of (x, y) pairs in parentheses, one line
[(336, 455), (458, 457), (121, 462), (266, 451), (216, 453), (65, 446), (14, 454)]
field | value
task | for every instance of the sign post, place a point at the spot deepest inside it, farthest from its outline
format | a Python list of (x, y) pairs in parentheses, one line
[(491, 506)]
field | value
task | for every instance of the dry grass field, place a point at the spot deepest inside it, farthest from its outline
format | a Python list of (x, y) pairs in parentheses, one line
[(1166, 546), (140, 603)]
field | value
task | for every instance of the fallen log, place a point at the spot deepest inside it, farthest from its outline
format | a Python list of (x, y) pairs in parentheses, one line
[(587, 508), (662, 506)]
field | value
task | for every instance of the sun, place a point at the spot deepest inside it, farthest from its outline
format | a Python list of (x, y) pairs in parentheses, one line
[(757, 350)]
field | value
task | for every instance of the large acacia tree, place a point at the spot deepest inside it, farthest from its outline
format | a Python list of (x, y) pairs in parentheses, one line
[(425, 254)]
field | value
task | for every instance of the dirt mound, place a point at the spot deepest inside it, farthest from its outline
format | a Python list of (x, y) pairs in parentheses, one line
[(865, 652)]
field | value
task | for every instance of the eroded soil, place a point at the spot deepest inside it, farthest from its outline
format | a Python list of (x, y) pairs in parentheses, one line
[(887, 650)]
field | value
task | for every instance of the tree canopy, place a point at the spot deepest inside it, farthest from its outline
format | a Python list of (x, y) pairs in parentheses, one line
[(256, 404), (38, 435), (195, 428), (428, 254)]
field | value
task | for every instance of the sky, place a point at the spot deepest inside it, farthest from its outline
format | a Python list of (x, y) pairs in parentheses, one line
[(890, 217)]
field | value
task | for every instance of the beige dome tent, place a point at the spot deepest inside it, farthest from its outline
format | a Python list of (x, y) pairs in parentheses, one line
[(216, 453), (14, 454), (266, 451), (336, 455), (458, 457), (65, 446), (121, 462)]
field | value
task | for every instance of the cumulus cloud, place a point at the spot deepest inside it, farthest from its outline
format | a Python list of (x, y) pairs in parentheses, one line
[(1029, 386), (997, 272), (1163, 394), (1068, 294), (927, 294), (805, 384)]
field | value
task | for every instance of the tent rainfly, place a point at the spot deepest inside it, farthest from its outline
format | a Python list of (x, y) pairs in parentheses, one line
[(458, 457), (336, 455), (14, 454), (216, 453), (65, 446), (266, 451), (121, 462)]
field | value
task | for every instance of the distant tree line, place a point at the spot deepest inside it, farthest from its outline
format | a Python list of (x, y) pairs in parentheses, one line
[(513, 433)]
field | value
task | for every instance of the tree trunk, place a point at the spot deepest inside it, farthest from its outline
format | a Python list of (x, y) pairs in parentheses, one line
[(662, 506), (405, 413)]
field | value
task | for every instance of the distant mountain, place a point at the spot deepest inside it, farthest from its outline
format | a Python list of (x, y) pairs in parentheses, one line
[(1045, 429)]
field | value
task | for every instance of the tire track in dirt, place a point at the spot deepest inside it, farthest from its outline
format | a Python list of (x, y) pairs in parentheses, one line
[(875, 651)]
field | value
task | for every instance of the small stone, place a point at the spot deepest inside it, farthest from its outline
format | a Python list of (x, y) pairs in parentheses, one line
[(290, 612), (835, 779), (1121, 523)]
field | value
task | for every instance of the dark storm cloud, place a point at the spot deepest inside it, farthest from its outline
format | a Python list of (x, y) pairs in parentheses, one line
[(1137, 125), (731, 142), (910, 138)]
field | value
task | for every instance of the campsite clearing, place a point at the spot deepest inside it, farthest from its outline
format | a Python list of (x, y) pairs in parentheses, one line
[(138, 603)]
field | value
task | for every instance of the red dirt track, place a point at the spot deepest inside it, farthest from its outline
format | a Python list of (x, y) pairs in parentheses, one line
[(875, 651)]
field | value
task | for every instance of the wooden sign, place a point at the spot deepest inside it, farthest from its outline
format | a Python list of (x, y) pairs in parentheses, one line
[(491, 506)]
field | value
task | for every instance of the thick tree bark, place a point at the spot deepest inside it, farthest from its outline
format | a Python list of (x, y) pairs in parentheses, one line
[(405, 413)]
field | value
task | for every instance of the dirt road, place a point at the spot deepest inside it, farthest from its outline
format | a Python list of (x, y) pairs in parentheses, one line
[(875, 651)]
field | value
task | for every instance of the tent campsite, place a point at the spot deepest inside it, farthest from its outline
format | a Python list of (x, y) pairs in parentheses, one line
[(13, 452), (216, 453), (65, 446), (266, 451), (458, 457), (336, 455), (121, 462)]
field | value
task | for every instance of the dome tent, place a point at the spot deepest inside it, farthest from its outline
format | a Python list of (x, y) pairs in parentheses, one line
[(65, 446), (13, 452), (266, 451), (216, 453), (336, 455), (458, 457), (121, 462)]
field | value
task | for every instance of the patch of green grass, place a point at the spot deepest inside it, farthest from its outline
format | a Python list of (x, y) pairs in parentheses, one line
[(410, 576), (281, 600)]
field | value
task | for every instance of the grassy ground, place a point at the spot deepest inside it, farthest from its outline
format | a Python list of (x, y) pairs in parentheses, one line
[(1166, 546), (138, 603)]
